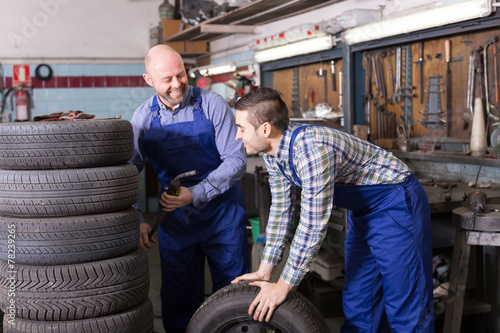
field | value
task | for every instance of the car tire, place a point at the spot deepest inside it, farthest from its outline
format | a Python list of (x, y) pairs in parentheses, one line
[(227, 311), (69, 240), (65, 144), (68, 192), (79, 291), (136, 320)]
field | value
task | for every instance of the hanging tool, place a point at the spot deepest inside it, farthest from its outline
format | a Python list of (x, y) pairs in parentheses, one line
[(447, 50), (397, 88), (433, 113), (391, 78), (366, 63), (493, 40), (475, 68), (420, 63), (295, 107), (173, 189), (341, 105), (406, 89), (322, 73), (334, 82), (404, 142)]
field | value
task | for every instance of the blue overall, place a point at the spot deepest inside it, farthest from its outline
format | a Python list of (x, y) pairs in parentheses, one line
[(388, 256), (188, 235)]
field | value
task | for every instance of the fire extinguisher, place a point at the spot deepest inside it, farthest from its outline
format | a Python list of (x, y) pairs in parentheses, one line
[(22, 105), (23, 102)]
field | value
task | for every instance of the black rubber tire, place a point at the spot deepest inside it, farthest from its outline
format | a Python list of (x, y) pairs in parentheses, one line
[(69, 240), (135, 320), (68, 192), (79, 291), (227, 311), (65, 144)]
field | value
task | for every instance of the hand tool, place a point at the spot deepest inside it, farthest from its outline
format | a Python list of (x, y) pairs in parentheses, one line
[(447, 191), (341, 105), (475, 68), (173, 189), (492, 40), (421, 63), (322, 73), (447, 46), (397, 99), (433, 113), (334, 83), (367, 95), (295, 106), (391, 78), (477, 201)]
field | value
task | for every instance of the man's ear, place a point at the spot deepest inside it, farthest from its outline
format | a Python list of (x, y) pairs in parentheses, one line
[(267, 129), (147, 79)]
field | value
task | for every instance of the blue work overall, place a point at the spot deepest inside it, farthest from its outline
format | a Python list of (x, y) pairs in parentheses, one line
[(216, 229), (388, 256)]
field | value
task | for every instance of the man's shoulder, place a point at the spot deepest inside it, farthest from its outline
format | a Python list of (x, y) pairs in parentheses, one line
[(146, 104), (207, 93)]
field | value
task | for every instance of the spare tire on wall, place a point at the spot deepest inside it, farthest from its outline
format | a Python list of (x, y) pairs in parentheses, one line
[(68, 192), (65, 144), (227, 311)]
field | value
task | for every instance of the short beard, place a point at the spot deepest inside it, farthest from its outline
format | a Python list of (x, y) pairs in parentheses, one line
[(171, 101)]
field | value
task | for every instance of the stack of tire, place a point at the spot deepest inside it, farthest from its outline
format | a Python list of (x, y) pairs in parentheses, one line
[(69, 255)]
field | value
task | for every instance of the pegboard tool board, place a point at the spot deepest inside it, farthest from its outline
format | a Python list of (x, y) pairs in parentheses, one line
[(305, 86), (446, 116)]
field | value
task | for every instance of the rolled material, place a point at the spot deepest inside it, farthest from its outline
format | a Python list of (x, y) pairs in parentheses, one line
[(477, 142)]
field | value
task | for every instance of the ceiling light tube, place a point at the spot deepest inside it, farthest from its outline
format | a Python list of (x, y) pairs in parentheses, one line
[(458, 12), (215, 69), (294, 49)]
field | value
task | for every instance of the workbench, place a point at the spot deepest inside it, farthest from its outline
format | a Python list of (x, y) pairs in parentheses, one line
[(438, 203)]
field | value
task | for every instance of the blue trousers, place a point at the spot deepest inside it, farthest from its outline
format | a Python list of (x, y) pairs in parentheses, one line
[(388, 265)]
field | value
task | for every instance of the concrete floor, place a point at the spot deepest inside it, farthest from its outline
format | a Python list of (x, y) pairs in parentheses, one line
[(154, 292)]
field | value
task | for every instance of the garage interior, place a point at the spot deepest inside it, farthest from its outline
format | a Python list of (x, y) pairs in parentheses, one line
[(418, 78)]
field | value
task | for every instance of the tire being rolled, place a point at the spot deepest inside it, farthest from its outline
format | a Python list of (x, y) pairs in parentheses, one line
[(227, 311), (68, 192), (65, 144), (69, 240)]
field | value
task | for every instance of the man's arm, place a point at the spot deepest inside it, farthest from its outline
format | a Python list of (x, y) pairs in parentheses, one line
[(231, 151), (316, 169), (139, 122)]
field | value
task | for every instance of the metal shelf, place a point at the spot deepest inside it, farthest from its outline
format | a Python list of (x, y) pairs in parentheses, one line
[(246, 18)]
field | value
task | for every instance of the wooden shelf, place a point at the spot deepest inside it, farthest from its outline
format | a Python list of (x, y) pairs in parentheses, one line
[(254, 14)]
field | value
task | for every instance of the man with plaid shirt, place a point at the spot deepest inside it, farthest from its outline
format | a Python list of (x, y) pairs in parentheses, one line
[(388, 251)]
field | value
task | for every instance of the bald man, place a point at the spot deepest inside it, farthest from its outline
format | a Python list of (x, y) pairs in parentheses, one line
[(179, 129)]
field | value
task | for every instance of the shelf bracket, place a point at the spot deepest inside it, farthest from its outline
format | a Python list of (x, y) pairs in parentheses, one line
[(225, 28)]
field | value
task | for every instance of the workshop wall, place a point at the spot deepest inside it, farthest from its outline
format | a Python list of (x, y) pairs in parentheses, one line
[(105, 90), (69, 29)]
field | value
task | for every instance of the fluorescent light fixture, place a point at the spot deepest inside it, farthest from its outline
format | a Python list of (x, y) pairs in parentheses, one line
[(435, 17), (215, 69), (294, 49)]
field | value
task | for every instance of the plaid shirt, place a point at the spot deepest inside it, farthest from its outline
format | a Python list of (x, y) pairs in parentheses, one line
[(322, 157)]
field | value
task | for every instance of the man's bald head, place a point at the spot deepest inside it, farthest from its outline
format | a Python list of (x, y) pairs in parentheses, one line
[(165, 72), (160, 53)]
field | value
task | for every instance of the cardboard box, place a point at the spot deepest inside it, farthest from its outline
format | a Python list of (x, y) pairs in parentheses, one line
[(196, 47), (170, 27), (178, 46)]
